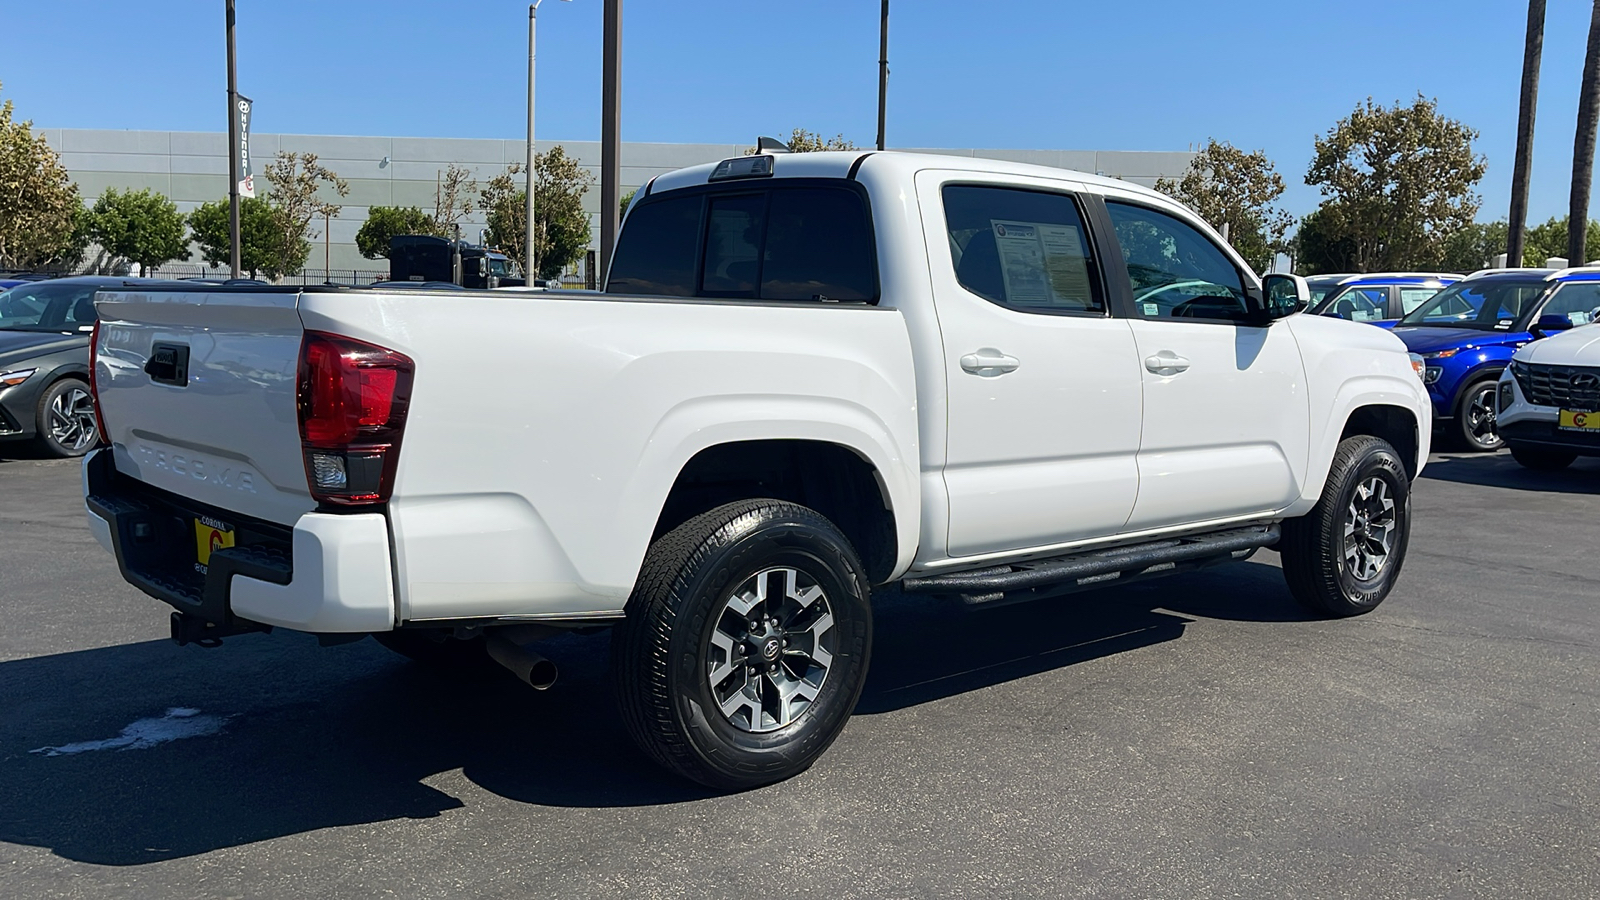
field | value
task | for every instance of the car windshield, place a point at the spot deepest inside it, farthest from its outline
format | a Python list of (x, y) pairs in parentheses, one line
[(1481, 305), (1321, 289), (48, 306), (501, 267)]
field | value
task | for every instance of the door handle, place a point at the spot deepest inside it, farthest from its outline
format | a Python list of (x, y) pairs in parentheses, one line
[(1166, 363), (989, 362)]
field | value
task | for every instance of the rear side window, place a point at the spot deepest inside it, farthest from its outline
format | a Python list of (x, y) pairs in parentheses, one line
[(656, 252), (1411, 298), (781, 243), (1021, 248)]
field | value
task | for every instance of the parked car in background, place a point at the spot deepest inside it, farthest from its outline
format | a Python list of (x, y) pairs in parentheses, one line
[(1468, 333), (1376, 297), (1549, 409), (44, 363)]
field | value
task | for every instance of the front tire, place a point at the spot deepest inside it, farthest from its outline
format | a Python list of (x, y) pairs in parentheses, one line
[(746, 644), (1541, 460), (65, 420), (1343, 557), (1475, 420)]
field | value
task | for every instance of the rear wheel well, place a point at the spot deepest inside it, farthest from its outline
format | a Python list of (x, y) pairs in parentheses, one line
[(1394, 424), (828, 478)]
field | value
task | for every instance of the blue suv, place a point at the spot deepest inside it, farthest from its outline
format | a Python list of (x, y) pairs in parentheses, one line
[(1376, 297), (1467, 333)]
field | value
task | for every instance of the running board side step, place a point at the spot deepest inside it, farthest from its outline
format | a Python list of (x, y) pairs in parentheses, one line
[(1039, 578)]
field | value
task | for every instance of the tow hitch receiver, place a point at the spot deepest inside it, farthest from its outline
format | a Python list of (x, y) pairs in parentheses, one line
[(191, 629)]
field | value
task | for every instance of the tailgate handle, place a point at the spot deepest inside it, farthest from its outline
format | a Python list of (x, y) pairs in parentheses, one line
[(168, 364)]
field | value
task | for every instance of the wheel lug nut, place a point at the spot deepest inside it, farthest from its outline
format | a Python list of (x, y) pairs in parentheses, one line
[(754, 670), (773, 668)]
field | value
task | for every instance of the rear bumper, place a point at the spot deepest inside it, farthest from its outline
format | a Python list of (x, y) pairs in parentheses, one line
[(330, 573)]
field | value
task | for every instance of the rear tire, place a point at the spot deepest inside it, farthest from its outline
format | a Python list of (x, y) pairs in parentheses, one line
[(746, 644), (1541, 460), (1343, 557)]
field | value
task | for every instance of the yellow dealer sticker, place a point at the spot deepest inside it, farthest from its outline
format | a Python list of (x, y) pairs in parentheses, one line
[(1577, 420), (209, 537)]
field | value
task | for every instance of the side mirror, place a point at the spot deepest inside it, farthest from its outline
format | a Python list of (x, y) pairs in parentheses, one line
[(1551, 323), (1285, 294)]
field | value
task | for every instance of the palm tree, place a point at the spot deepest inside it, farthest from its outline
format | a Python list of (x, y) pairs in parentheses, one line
[(1532, 50), (1583, 144)]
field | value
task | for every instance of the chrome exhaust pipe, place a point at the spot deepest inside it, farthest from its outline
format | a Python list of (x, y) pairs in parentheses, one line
[(530, 668)]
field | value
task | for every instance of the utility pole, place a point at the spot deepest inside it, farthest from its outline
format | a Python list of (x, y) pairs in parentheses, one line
[(610, 132), (883, 71), (233, 152), (530, 253)]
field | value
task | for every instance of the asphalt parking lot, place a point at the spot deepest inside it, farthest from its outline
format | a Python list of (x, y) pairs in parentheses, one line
[(1193, 737)]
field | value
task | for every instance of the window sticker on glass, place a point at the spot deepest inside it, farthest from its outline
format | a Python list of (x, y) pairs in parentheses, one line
[(1152, 309), (1042, 264)]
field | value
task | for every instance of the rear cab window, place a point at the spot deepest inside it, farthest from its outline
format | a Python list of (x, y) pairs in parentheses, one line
[(803, 241)]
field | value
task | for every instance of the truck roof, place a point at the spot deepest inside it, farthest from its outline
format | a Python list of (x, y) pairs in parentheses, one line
[(841, 163)]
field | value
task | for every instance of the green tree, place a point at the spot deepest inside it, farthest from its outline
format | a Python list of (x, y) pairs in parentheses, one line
[(1228, 186), (384, 222), (39, 204), (452, 199), (561, 227), (1402, 179), (1317, 249), (140, 226), (1475, 246), (803, 141), (300, 193), (1552, 239), (258, 234), (624, 203)]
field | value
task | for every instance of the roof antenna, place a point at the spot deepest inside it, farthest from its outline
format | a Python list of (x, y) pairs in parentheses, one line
[(771, 145)]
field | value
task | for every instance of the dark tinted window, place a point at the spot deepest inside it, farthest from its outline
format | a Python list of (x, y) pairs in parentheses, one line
[(779, 243), (1176, 271), (733, 245), (819, 247), (656, 252), (1021, 248)]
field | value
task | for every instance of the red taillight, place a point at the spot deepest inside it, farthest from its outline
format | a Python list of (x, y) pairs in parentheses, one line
[(352, 398), (94, 383)]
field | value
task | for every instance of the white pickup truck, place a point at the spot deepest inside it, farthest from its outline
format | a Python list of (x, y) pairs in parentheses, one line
[(807, 375)]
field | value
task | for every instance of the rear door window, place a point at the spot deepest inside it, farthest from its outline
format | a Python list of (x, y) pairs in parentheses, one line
[(1411, 298), (1021, 248)]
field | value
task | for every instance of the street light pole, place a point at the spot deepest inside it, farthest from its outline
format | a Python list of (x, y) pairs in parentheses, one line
[(233, 151), (530, 252), (883, 71), (610, 131)]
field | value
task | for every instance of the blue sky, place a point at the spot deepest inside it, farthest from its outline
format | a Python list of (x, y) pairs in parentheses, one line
[(1134, 75)]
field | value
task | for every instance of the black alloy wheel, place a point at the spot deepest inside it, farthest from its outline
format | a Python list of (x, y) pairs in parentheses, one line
[(1343, 557), (65, 420), (745, 645), (1475, 421)]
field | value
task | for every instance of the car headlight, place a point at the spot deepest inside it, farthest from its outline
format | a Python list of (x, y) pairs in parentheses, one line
[(1441, 354), (14, 378), (1417, 365)]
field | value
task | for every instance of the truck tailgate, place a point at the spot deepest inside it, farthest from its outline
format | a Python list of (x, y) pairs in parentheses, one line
[(197, 391)]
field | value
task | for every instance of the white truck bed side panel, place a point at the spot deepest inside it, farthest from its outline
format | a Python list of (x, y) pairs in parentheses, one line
[(545, 431)]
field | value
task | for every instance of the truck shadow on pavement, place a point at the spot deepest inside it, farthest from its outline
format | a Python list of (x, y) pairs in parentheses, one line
[(1501, 471), (316, 738)]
